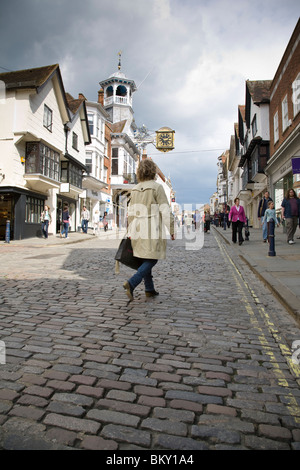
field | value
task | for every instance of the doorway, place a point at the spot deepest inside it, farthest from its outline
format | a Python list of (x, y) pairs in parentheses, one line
[(6, 213)]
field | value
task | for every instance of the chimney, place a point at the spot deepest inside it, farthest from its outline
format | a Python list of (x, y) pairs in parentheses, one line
[(81, 97), (101, 97)]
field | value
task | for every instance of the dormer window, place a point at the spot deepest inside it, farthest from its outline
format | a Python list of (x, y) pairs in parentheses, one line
[(48, 118)]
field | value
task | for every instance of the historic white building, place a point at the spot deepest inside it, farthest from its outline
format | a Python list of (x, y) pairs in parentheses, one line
[(117, 100), (96, 180), (43, 134)]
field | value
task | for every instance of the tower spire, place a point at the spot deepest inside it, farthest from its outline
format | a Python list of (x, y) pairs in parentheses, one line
[(119, 64)]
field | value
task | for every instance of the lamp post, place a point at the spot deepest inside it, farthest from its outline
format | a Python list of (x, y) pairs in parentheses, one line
[(271, 235)]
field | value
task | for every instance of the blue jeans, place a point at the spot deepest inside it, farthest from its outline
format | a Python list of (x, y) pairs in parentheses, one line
[(144, 272), (264, 228), (84, 225), (65, 229), (45, 228)]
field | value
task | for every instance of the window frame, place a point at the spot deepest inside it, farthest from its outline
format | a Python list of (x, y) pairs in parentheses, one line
[(33, 209), (48, 118), (276, 127), (296, 95), (91, 123), (285, 113), (75, 141)]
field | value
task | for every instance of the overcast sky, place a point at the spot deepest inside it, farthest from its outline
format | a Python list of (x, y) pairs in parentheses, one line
[(189, 59)]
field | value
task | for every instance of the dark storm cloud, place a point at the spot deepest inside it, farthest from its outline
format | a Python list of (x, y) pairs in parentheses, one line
[(189, 59)]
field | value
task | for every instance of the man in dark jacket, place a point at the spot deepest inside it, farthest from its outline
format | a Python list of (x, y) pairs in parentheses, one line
[(263, 206)]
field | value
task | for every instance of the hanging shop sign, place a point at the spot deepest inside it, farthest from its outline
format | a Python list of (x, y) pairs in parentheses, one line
[(296, 165)]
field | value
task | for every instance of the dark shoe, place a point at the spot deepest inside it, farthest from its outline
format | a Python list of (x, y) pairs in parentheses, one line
[(240, 242), (151, 293), (129, 290)]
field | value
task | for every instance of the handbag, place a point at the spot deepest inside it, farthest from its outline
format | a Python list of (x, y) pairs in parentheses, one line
[(125, 255)]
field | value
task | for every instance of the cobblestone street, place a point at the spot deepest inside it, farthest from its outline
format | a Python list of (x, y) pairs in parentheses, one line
[(205, 365)]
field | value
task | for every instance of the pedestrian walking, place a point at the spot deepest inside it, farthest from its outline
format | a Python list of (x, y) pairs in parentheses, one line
[(270, 216), (290, 212), (262, 207), (149, 214), (207, 219), (224, 216), (105, 222), (238, 219), (85, 217), (65, 221), (197, 219), (96, 222), (45, 219), (188, 222)]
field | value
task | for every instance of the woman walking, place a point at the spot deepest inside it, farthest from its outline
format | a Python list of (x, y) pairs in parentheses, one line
[(238, 218), (148, 215), (65, 221), (45, 219), (290, 212)]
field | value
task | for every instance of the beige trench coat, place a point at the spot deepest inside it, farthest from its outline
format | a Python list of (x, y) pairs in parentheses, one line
[(149, 215)]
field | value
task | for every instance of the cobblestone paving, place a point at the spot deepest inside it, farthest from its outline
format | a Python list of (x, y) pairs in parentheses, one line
[(205, 365)]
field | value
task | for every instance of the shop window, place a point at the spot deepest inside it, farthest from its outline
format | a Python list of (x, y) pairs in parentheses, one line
[(34, 208)]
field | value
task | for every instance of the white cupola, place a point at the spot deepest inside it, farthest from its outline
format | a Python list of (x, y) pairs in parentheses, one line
[(117, 99)]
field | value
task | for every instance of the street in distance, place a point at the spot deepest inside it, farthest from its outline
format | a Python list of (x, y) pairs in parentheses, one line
[(152, 460)]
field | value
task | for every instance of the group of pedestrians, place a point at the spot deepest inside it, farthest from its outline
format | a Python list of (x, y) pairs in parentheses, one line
[(66, 221), (290, 215)]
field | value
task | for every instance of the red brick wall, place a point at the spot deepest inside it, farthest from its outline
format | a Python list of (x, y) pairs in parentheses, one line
[(281, 86)]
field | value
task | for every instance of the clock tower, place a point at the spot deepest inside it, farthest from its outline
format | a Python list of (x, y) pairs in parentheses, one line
[(117, 101)]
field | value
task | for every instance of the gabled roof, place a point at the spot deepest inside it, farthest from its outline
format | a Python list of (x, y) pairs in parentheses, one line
[(36, 79), (74, 104), (241, 109), (77, 106), (30, 78), (118, 127), (259, 90)]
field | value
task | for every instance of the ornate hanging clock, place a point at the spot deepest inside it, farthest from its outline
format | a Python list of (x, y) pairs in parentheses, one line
[(165, 139)]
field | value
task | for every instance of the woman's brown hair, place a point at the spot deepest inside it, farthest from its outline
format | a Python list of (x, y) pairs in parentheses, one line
[(146, 170)]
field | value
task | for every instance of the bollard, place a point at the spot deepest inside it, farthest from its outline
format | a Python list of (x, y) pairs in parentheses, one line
[(271, 235), (7, 232)]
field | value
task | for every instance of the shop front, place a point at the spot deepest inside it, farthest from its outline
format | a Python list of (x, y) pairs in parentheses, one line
[(23, 211)]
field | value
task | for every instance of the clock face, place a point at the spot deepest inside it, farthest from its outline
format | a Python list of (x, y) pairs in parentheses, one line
[(165, 139)]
